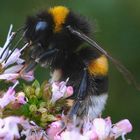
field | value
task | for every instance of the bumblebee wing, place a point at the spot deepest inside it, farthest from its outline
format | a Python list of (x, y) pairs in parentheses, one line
[(121, 68)]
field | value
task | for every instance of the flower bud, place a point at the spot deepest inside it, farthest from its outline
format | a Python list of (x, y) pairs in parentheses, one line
[(42, 110), (33, 99), (33, 108), (44, 117), (69, 91), (29, 91), (121, 128), (51, 118), (43, 104)]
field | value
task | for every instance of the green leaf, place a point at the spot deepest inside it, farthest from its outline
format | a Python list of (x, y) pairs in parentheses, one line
[(25, 109)]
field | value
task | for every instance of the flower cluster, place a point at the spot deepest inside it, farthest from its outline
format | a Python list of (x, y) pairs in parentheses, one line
[(46, 102), (29, 129), (11, 65), (39, 111), (6, 124), (98, 129)]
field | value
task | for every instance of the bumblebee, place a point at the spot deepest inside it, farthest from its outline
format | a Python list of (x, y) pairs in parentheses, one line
[(57, 36)]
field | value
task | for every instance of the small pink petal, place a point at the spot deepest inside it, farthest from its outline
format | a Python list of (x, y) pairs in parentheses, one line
[(101, 127), (13, 69), (55, 127), (69, 91), (7, 97), (9, 76), (20, 61), (57, 137), (73, 135), (91, 135), (13, 58), (56, 96), (108, 125), (55, 86), (62, 87)]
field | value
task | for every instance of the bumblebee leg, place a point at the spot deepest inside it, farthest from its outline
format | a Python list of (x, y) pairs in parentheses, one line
[(83, 86), (80, 96), (33, 54), (36, 51), (30, 66), (46, 55)]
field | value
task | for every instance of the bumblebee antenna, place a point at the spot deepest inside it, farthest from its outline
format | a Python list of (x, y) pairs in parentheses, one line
[(121, 68)]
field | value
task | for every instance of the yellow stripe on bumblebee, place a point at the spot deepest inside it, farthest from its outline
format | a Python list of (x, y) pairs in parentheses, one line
[(98, 66), (59, 14)]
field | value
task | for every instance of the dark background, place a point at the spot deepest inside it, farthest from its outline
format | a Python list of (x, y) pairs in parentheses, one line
[(117, 30)]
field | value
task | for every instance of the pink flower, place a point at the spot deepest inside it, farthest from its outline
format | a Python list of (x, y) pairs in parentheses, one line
[(11, 64), (8, 97), (12, 73), (122, 128), (73, 135), (13, 69), (62, 87), (9, 128), (102, 127), (14, 58), (54, 129), (88, 132), (57, 137), (60, 90), (91, 135)]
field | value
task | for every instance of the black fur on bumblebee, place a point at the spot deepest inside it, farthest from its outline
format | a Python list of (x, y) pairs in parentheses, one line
[(56, 36)]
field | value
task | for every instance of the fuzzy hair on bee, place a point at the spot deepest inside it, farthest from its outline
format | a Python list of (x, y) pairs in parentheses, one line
[(55, 46), (56, 36)]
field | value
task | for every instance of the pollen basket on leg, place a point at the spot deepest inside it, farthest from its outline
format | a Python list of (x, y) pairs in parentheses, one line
[(59, 14), (98, 66)]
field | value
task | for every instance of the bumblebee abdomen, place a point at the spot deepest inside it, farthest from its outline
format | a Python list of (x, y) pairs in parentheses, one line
[(98, 66)]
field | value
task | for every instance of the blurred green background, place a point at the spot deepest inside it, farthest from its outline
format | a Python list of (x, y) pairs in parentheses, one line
[(117, 30)]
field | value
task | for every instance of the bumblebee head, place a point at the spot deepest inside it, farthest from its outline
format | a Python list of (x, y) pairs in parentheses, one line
[(49, 28)]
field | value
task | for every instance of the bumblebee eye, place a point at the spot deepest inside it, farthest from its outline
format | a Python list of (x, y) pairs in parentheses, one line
[(41, 25)]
